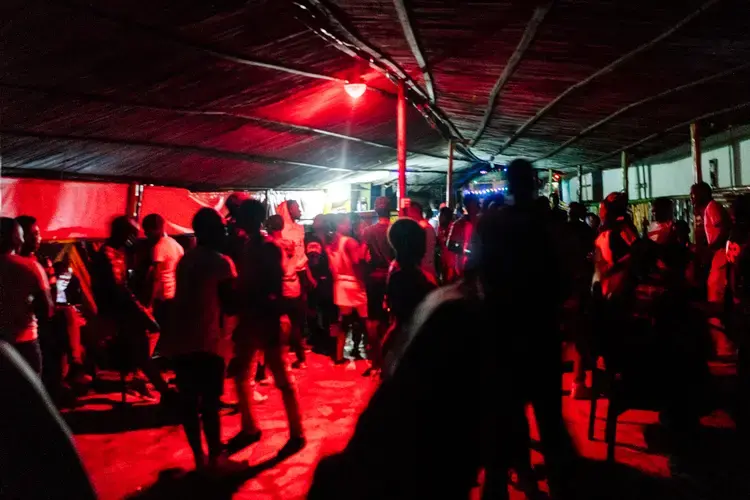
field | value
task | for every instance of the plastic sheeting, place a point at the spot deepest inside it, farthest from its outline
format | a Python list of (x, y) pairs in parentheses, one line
[(64, 209)]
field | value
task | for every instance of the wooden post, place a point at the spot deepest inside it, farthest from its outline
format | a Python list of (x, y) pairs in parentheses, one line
[(449, 177), (580, 183), (695, 149), (624, 163), (401, 144), (134, 200)]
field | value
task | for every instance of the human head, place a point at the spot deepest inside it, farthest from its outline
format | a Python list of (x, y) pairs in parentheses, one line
[(11, 235), (343, 224), (445, 217), (357, 226), (382, 207), (576, 211), (682, 230), (661, 210), (700, 194), (294, 210), (153, 226), (520, 177), (407, 238), (250, 216), (209, 228), (233, 203), (415, 211), (614, 206), (32, 235), (554, 198), (471, 204), (319, 226), (275, 224), (123, 231), (542, 203)]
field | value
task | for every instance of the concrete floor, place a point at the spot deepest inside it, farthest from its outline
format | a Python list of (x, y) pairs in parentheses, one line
[(137, 451)]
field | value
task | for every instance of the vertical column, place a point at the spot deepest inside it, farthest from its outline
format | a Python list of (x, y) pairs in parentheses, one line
[(549, 183), (695, 149), (624, 163), (401, 144), (449, 177), (134, 201), (580, 183)]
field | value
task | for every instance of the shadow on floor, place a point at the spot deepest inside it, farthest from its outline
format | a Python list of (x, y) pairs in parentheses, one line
[(176, 483), (120, 418)]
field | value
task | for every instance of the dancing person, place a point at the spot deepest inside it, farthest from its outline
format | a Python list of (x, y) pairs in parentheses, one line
[(292, 303), (24, 295), (203, 298), (349, 294), (259, 292)]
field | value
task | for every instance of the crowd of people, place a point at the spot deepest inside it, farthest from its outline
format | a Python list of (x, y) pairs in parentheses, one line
[(483, 295)]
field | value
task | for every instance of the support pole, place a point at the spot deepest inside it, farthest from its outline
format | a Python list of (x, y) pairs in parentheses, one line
[(624, 164), (401, 144), (695, 149), (134, 200), (449, 177), (580, 183), (549, 183)]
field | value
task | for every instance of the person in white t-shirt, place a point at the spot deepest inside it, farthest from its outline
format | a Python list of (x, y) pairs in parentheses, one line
[(717, 225), (24, 295), (202, 300), (165, 255), (293, 305)]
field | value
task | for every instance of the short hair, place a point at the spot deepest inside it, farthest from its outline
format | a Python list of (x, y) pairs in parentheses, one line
[(382, 206), (153, 222), (662, 208), (123, 227), (520, 175), (208, 224), (470, 198), (275, 223), (26, 221), (408, 240), (250, 214), (702, 188)]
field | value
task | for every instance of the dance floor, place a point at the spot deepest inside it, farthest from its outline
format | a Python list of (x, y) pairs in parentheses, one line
[(138, 451)]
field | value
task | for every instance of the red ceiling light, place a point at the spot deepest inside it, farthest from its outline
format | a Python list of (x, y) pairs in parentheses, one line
[(355, 89)]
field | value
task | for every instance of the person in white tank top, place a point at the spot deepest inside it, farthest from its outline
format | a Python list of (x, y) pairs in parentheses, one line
[(349, 295)]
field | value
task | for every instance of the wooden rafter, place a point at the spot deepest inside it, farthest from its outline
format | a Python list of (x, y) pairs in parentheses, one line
[(199, 150), (603, 71), (588, 130), (411, 39), (171, 38), (528, 36), (194, 112), (682, 125)]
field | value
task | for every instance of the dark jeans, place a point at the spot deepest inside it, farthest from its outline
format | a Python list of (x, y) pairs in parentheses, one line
[(294, 308), (200, 380), (31, 353)]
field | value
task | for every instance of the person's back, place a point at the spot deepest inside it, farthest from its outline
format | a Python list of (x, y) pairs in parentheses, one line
[(166, 255), (381, 255), (21, 278)]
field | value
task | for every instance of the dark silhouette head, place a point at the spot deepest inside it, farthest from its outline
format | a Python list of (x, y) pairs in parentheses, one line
[(661, 210), (32, 235), (415, 211), (11, 236), (250, 216), (700, 194), (295, 212), (446, 217), (209, 228), (471, 204), (275, 224), (123, 231), (153, 226), (576, 211), (407, 238), (233, 203), (521, 183), (319, 226), (614, 206), (382, 207), (593, 221)]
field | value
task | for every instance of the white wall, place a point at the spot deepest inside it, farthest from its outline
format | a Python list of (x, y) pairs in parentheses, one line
[(672, 178)]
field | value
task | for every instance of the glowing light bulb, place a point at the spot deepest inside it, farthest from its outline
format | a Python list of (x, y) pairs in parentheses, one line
[(355, 90)]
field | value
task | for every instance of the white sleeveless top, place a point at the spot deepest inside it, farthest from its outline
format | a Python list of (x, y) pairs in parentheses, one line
[(348, 291)]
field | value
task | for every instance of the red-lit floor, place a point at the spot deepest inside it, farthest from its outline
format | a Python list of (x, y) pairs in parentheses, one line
[(150, 459)]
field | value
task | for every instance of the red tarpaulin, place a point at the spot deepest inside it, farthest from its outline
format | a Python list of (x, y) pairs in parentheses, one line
[(64, 209)]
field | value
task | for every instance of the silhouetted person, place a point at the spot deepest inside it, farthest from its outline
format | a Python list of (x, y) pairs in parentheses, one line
[(259, 295), (320, 299), (203, 297), (428, 261), (459, 239), (24, 295)]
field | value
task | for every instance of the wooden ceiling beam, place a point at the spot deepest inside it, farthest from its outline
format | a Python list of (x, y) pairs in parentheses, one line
[(411, 39), (603, 71), (261, 160), (526, 39), (179, 41), (588, 130), (682, 125), (210, 113)]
